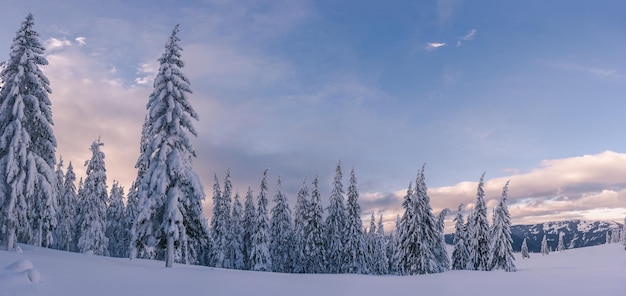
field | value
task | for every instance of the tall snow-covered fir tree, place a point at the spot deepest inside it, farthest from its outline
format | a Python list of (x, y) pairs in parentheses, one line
[(544, 246), (561, 246), (281, 233), (27, 144), (430, 249), (249, 228), (299, 227), (260, 258), (220, 223), (66, 228), (525, 250), (224, 240), (116, 229), (132, 209), (236, 235), (355, 252), (441, 254), (314, 260), (382, 265), (478, 232), (336, 225), (407, 237), (60, 202), (170, 223), (501, 242), (460, 255), (93, 205)]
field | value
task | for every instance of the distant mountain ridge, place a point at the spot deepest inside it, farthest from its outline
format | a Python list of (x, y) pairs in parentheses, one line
[(576, 234)]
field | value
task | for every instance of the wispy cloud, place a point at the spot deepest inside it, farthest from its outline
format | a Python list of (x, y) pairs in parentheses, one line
[(434, 45), (595, 71), (471, 34), (55, 43), (81, 41)]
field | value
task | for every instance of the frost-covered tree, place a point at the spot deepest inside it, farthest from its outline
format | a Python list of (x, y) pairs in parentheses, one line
[(624, 234), (383, 242), (132, 204), (28, 187), (66, 228), (407, 237), (314, 252), (249, 227), (544, 246), (501, 242), (93, 205), (561, 246), (441, 254), (281, 233), (299, 228), (236, 235), (525, 250), (355, 252), (170, 224), (260, 258), (607, 237), (336, 225), (478, 232), (60, 202), (377, 247), (220, 223), (116, 229), (460, 255)]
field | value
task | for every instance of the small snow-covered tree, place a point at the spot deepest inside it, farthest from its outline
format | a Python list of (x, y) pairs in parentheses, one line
[(460, 255), (116, 229), (249, 228), (28, 187), (314, 252), (441, 254), (281, 233), (478, 232), (66, 228), (544, 246), (220, 223), (377, 247), (93, 205), (501, 242), (60, 203), (170, 223), (355, 253), (260, 258), (236, 235), (336, 225), (561, 246), (525, 250), (607, 237), (299, 228)]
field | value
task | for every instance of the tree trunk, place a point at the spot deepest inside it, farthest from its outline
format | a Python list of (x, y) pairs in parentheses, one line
[(169, 255)]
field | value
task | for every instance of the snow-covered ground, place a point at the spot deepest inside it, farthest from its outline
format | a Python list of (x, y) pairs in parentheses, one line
[(599, 270)]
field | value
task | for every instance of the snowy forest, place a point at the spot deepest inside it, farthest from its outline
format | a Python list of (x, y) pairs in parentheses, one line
[(161, 217)]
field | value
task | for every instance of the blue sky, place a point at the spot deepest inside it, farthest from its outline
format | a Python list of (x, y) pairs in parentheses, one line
[(528, 91)]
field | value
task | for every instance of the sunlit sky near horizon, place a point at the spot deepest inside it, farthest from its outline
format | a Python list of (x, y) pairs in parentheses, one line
[(527, 91)]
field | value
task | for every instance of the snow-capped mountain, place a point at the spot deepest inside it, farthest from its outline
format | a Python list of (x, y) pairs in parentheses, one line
[(576, 234)]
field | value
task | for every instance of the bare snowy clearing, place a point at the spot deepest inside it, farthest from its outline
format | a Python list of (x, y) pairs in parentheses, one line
[(599, 270)]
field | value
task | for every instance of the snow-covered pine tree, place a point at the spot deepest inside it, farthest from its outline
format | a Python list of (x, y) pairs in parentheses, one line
[(441, 254), (460, 255), (501, 248), (478, 232), (260, 258), (525, 250), (93, 205), (624, 234), (355, 252), (132, 204), (392, 248), (170, 223), (607, 237), (27, 144), (66, 229), (561, 246), (429, 244), (60, 203), (220, 224), (249, 228), (299, 228), (382, 265), (407, 236), (544, 246), (336, 225), (281, 233), (370, 243), (236, 235), (225, 238), (116, 231), (314, 251)]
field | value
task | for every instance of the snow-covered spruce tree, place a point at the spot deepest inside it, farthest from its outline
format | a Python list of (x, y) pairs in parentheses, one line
[(460, 255), (355, 252), (281, 233), (132, 204), (624, 234), (370, 243), (116, 231), (224, 239), (93, 205), (170, 223), (501, 248), (607, 237), (314, 260), (299, 228), (60, 202), (561, 246), (478, 232), (407, 237), (440, 250), (430, 249), (336, 225), (544, 246), (220, 225), (260, 258), (236, 235), (525, 250), (382, 265), (27, 144), (376, 242), (66, 229), (249, 227), (392, 248)]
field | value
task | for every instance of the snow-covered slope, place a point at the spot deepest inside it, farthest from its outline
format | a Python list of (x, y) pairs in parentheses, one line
[(599, 270)]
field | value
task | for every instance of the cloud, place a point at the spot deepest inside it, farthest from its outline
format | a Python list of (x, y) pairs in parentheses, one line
[(434, 45), (595, 71), (471, 34), (54, 43), (81, 40)]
